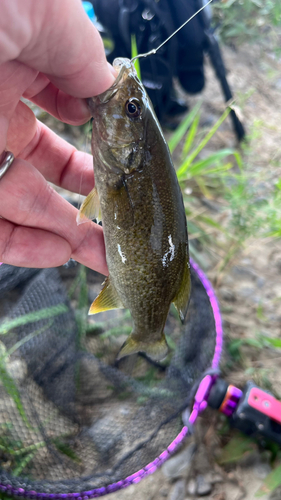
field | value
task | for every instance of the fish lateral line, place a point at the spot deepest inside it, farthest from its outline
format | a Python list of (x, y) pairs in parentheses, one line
[(154, 51)]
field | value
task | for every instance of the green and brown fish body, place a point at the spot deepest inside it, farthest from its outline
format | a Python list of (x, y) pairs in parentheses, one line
[(142, 212)]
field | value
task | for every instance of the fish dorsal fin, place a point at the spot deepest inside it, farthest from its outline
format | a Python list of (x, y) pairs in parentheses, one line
[(107, 299), (90, 208), (181, 300)]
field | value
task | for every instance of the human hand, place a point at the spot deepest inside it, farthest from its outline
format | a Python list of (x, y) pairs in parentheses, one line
[(51, 54)]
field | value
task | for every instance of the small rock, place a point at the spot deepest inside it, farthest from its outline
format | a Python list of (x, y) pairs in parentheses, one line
[(246, 291), (178, 490), (201, 461), (17, 369), (219, 496), (164, 491), (192, 487), (276, 494), (227, 294), (278, 84), (93, 384), (178, 465), (260, 282), (105, 434), (203, 486), (213, 477), (261, 470), (278, 264)]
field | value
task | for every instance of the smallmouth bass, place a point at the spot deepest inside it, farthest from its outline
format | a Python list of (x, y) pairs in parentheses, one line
[(142, 212)]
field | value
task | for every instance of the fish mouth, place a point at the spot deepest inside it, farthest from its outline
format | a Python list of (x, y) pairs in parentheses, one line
[(103, 98), (122, 65)]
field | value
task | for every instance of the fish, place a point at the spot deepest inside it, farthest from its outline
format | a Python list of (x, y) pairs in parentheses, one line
[(142, 211)]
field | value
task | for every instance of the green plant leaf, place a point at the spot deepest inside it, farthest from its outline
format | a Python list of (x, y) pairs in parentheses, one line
[(134, 52), (188, 161), (211, 222), (23, 341), (191, 135), (83, 300), (116, 331), (183, 127), (272, 481), (208, 171), (65, 449), (23, 463), (236, 449), (171, 343), (272, 341), (11, 389), (201, 167), (49, 312)]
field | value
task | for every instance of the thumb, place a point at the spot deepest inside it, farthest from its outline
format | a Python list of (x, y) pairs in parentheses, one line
[(61, 42)]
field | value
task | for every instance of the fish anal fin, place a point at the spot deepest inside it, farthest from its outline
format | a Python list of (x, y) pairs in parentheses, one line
[(181, 300), (157, 350), (107, 299), (90, 208)]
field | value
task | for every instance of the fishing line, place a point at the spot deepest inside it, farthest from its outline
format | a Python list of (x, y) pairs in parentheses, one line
[(153, 51)]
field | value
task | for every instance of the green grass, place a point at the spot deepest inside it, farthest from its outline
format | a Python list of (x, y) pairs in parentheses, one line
[(50, 312), (16, 452), (240, 446), (134, 53), (5, 378), (228, 175), (245, 20)]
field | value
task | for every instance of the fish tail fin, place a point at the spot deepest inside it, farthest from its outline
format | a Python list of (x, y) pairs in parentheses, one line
[(157, 350), (181, 300)]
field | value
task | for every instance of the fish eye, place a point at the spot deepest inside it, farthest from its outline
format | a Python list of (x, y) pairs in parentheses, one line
[(133, 108)]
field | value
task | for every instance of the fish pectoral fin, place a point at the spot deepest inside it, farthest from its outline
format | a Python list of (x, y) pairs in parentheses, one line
[(90, 208), (107, 299), (157, 350), (181, 300)]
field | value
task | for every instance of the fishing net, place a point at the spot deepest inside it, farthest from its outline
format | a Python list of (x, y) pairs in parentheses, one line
[(74, 421)]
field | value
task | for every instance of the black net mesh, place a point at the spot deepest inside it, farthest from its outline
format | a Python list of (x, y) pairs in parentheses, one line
[(72, 418)]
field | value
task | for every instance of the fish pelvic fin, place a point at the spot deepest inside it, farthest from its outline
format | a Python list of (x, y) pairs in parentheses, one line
[(90, 208), (181, 300), (157, 350), (107, 299)]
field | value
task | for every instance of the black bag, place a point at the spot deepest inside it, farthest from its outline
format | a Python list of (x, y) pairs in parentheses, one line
[(152, 22)]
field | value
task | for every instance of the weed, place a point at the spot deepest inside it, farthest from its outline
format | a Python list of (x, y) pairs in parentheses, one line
[(134, 53), (241, 446), (249, 211), (243, 20)]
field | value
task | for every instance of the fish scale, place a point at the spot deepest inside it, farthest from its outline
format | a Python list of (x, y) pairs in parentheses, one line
[(142, 211)]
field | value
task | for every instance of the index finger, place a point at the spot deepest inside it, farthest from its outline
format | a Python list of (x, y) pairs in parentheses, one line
[(57, 160)]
